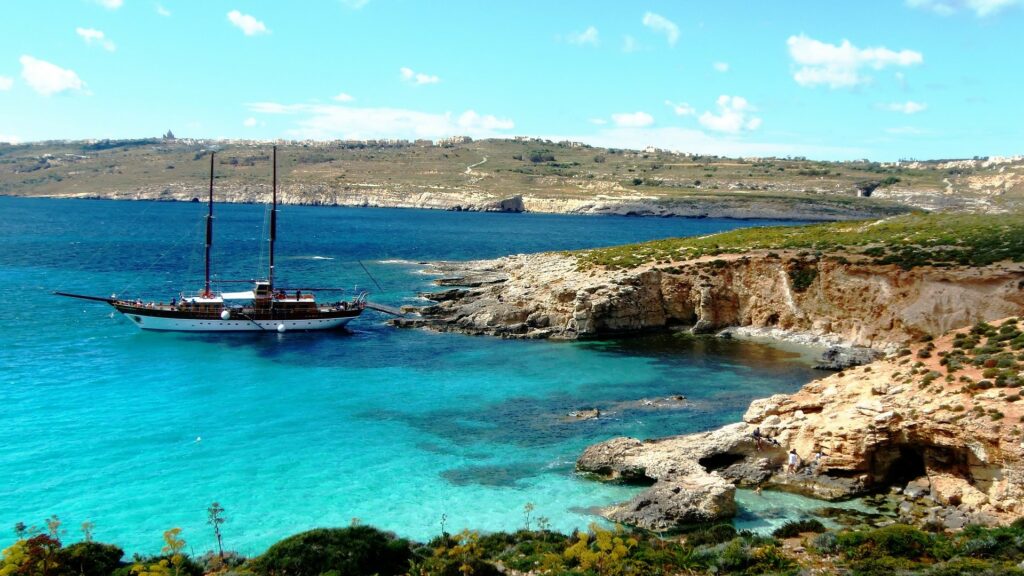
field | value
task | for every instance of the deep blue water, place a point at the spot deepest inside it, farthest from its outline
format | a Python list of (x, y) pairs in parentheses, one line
[(138, 432)]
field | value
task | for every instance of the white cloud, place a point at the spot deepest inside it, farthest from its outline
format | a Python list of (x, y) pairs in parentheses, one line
[(250, 122), (329, 121), (471, 121), (587, 37), (629, 44), (598, 121), (9, 139), (662, 25), (110, 4), (735, 115), (632, 119), (908, 107), (981, 8), (5, 83), (417, 78), (681, 108), (721, 66), (355, 4), (839, 66), (46, 78), (93, 36), (343, 97), (162, 11), (249, 25)]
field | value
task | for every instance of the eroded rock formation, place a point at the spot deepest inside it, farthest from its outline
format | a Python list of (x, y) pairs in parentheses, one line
[(953, 444), (853, 300)]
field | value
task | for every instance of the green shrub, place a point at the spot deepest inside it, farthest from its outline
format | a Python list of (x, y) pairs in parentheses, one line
[(883, 566), (795, 528), (974, 567), (91, 558), (352, 551), (825, 543), (718, 534), (898, 540), (802, 277)]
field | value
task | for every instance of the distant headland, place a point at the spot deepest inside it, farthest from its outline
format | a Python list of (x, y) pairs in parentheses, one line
[(512, 175)]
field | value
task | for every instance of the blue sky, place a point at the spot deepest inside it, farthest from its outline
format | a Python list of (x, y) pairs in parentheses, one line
[(833, 80)]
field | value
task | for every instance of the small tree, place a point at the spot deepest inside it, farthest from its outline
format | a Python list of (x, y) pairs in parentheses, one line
[(21, 530), (215, 517), (53, 527), (173, 545), (527, 510), (87, 528)]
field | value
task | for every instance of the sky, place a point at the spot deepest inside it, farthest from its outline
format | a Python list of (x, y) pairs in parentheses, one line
[(885, 80)]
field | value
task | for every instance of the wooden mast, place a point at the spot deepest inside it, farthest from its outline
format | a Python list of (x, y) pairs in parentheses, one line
[(273, 222), (209, 231)]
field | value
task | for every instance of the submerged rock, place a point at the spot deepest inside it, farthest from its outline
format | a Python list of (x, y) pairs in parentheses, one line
[(586, 414)]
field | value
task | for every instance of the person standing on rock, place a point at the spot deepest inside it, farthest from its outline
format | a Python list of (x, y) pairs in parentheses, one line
[(758, 439), (793, 461)]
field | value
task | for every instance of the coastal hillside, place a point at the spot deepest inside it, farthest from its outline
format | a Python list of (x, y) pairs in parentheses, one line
[(523, 174), (879, 283)]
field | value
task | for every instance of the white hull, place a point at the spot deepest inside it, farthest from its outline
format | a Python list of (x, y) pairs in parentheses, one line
[(233, 325)]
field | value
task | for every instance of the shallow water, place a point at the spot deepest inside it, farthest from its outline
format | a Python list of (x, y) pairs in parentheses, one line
[(138, 432)]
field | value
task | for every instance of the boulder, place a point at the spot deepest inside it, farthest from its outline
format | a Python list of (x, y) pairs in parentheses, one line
[(843, 357), (611, 460), (918, 487), (670, 505)]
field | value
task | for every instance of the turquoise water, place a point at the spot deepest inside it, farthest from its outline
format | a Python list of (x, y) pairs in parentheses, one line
[(138, 432)]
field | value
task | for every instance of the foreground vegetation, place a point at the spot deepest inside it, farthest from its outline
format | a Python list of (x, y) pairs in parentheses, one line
[(908, 241), (795, 548)]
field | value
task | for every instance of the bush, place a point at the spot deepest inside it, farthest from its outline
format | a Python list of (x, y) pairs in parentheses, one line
[(537, 156), (884, 566), (352, 551), (974, 567), (825, 543), (794, 528), (801, 277), (717, 534), (898, 540), (91, 558)]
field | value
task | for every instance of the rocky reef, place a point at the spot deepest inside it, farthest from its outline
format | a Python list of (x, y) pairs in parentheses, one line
[(937, 423)]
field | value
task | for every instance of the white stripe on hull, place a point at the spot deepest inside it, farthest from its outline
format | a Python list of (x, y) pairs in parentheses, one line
[(234, 324)]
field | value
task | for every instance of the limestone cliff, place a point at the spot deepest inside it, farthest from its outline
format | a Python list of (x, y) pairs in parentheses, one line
[(476, 200), (850, 298)]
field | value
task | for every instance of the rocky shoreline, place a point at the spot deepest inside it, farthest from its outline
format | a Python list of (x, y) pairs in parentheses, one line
[(849, 301), (739, 207), (948, 452)]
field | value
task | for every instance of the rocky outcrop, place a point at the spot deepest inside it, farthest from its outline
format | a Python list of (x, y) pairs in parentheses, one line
[(683, 492), (668, 505), (849, 300), (951, 446)]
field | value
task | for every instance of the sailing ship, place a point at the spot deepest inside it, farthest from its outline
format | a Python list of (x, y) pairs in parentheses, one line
[(265, 307)]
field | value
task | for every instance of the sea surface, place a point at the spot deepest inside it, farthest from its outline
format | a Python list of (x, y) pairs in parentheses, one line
[(402, 429)]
